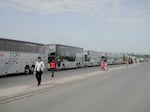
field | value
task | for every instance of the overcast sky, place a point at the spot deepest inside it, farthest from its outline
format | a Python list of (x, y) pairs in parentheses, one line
[(103, 25)]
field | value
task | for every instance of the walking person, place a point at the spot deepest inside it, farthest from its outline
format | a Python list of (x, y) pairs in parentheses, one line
[(58, 64), (102, 65), (39, 67), (53, 67), (105, 65)]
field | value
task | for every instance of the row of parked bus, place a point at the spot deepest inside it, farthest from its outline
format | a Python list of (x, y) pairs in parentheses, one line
[(20, 56)]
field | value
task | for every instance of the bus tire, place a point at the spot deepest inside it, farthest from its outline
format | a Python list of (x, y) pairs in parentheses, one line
[(79, 65), (63, 66), (27, 69), (32, 69)]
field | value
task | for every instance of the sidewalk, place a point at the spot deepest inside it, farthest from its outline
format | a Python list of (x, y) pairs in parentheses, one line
[(18, 92)]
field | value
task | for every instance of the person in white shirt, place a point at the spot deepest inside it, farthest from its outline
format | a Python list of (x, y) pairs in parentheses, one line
[(39, 67)]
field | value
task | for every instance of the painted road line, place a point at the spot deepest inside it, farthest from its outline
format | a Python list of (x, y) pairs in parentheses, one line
[(13, 90)]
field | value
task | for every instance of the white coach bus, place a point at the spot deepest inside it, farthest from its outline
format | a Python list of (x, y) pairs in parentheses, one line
[(92, 58), (120, 58), (19, 56), (69, 56), (115, 58)]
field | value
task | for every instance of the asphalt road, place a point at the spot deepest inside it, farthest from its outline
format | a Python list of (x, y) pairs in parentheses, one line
[(126, 90), (20, 79)]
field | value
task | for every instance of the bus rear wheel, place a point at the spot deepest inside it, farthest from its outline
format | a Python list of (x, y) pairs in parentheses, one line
[(27, 70), (32, 69), (63, 66)]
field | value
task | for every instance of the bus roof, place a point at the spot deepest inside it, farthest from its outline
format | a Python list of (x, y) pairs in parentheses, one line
[(64, 46), (20, 41)]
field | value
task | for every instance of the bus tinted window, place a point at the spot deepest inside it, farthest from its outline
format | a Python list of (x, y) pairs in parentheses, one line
[(40, 49), (11, 46), (2, 45), (32, 48), (22, 47), (68, 58), (26, 47)]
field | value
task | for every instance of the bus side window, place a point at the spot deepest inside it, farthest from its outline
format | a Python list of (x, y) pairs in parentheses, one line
[(2, 45), (87, 58)]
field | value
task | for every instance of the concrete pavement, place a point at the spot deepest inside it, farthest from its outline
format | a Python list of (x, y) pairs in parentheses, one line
[(20, 91), (124, 90)]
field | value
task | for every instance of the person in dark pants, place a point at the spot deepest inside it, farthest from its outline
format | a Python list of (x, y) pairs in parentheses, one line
[(58, 64), (53, 67), (39, 67)]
